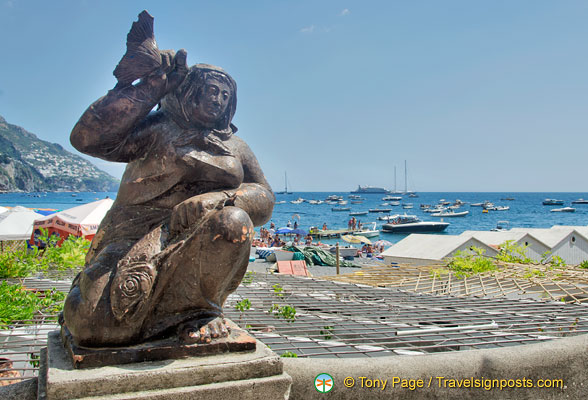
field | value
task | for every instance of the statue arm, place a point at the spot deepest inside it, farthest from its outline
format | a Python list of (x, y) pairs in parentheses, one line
[(114, 127), (254, 196)]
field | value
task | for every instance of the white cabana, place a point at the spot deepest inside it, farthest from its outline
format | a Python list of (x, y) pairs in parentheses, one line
[(17, 223)]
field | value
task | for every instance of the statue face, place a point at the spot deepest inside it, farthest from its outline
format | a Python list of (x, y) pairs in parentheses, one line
[(213, 101)]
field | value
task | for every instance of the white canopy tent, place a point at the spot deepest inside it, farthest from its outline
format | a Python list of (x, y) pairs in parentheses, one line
[(17, 223)]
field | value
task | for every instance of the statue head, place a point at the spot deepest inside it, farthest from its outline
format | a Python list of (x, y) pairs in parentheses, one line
[(206, 98)]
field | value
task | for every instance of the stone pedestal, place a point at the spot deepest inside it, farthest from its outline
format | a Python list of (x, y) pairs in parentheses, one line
[(251, 375)]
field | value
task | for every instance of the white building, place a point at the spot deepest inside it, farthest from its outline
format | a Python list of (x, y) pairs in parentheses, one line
[(568, 242), (422, 249)]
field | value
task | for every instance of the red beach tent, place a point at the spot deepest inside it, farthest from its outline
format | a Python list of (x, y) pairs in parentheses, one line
[(79, 221)]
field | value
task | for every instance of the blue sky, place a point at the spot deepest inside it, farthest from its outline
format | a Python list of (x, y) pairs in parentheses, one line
[(475, 95)]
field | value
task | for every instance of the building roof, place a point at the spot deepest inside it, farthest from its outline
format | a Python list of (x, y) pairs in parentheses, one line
[(430, 247), (494, 238)]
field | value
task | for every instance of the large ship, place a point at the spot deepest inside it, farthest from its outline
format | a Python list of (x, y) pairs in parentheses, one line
[(370, 189)]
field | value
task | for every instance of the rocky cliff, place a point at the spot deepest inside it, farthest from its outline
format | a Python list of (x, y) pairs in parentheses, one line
[(30, 164)]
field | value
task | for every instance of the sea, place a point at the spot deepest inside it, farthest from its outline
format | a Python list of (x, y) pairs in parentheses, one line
[(526, 209)]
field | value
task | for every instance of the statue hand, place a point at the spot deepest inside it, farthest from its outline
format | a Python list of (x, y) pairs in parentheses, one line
[(190, 211), (174, 66), (172, 72)]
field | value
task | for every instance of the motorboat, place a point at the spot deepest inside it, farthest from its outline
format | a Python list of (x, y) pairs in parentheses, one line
[(501, 208), (385, 217), (280, 202), (450, 213), (357, 202), (580, 201), (380, 210), (297, 201), (367, 232), (392, 198), (358, 213), (501, 226), (553, 202), (412, 224), (345, 252), (341, 209), (564, 209)]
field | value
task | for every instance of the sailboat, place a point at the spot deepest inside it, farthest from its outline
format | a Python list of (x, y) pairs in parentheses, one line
[(406, 191), (285, 185)]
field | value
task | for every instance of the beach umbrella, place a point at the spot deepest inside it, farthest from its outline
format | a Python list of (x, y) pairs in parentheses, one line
[(79, 221), (379, 243), (299, 231), (284, 230), (356, 239), (17, 223)]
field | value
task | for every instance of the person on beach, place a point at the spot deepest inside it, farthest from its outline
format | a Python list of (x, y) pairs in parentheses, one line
[(176, 242), (325, 226)]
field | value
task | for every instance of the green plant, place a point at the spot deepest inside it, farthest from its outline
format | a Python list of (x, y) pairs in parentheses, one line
[(558, 262), (287, 312), (278, 290), (248, 278), (465, 263), (327, 332), (34, 360), (18, 304), (243, 305), (289, 354), (531, 273), (512, 252), (583, 264), (545, 257), (22, 263)]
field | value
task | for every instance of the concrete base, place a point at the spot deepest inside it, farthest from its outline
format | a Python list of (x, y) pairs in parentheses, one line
[(247, 375)]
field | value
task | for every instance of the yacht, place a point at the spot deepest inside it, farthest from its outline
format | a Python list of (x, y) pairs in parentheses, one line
[(370, 189), (553, 202), (412, 224)]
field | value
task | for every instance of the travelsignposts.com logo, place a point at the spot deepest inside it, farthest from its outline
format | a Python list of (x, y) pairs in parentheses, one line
[(323, 383)]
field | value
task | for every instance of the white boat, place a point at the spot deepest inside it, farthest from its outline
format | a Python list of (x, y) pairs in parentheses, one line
[(564, 209), (297, 201), (501, 226), (407, 206), (349, 251), (392, 198), (367, 232), (501, 208), (412, 224), (580, 201), (450, 214), (358, 213), (380, 210), (341, 209), (281, 202)]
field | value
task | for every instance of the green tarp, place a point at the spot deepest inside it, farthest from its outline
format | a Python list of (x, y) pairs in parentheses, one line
[(316, 256)]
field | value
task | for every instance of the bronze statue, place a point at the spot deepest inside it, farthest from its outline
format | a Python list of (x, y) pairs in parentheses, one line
[(177, 240)]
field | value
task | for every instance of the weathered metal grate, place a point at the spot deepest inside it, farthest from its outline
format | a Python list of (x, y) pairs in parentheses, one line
[(335, 319), (567, 284)]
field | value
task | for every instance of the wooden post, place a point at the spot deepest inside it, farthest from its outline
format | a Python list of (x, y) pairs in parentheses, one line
[(337, 256)]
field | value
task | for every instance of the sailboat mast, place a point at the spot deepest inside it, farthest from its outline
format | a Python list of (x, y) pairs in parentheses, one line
[(286, 182), (395, 190), (405, 179)]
